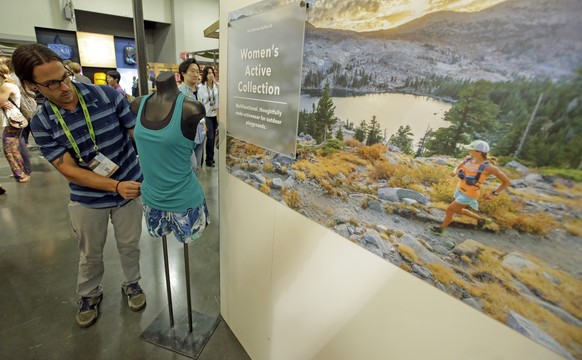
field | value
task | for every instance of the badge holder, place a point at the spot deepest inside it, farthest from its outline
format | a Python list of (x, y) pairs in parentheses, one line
[(188, 339)]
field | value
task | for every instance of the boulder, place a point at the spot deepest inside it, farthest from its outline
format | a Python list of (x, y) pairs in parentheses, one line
[(469, 248), (397, 194), (283, 160), (524, 170), (277, 183), (375, 205), (531, 330), (515, 261), (289, 182), (258, 178), (421, 252), (241, 174), (373, 239)]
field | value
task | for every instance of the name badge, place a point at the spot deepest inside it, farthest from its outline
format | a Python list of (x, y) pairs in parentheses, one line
[(102, 165)]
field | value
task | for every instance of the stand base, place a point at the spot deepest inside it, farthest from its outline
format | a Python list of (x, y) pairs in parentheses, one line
[(177, 338)]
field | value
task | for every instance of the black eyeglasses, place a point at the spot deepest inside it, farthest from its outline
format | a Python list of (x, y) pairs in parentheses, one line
[(55, 84)]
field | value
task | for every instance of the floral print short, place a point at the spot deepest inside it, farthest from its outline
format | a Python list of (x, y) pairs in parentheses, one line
[(187, 226)]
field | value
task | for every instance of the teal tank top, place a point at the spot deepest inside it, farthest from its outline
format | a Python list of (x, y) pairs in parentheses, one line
[(164, 155)]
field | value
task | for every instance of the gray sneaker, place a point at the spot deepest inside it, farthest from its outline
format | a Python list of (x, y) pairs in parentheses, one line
[(88, 310), (136, 298)]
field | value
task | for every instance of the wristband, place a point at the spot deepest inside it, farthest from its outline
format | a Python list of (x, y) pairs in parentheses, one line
[(117, 187)]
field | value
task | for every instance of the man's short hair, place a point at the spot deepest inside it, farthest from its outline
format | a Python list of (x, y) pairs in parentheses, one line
[(185, 65), (114, 74), (26, 57), (75, 67)]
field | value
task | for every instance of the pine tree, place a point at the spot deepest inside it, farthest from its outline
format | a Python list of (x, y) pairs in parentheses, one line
[(403, 139), (324, 115), (474, 113), (339, 134), (374, 134), (361, 131)]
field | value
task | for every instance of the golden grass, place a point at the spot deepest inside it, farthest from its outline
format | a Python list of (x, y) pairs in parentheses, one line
[(497, 302), (353, 143), (373, 152), (407, 253), (501, 295), (265, 189), (406, 267), (253, 149), (567, 295), (494, 287), (443, 192), (572, 203), (300, 175), (329, 166), (291, 198), (382, 170), (268, 167), (537, 223), (573, 226)]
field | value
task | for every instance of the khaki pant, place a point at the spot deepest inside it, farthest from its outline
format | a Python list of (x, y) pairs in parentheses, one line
[(90, 230)]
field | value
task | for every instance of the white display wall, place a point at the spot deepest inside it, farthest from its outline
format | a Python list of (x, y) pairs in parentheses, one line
[(292, 289)]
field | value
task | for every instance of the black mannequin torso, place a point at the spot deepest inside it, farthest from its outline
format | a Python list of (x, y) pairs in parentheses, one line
[(160, 106)]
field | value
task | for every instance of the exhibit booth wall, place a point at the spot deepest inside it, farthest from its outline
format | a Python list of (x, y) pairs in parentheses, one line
[(26, 14), (293, 289)]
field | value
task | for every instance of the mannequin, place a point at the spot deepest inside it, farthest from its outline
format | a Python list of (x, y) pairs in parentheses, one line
[(172, 196), (162, 103)]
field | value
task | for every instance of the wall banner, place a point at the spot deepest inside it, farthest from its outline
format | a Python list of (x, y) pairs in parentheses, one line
[(265, 53)]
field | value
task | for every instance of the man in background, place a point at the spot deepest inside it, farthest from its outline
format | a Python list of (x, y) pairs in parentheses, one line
[(77, 76)]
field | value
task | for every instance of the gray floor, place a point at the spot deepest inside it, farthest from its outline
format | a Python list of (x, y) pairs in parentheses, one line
[(38, 269)]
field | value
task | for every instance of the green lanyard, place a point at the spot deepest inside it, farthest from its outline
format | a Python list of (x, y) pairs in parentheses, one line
[(68, 132)]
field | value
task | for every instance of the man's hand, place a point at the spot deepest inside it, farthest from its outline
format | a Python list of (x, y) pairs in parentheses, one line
[(129, 189)]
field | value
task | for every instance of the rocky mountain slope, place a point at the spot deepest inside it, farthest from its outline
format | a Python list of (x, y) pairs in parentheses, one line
[(527, 38)]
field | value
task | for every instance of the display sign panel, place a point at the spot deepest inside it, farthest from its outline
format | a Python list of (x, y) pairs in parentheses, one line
[(265, 53), (96, 50)]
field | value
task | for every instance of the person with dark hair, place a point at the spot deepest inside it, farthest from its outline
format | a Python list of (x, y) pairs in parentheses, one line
[(84, 131), (208, 95), (113, 78), (472, 172), (77, 76), (190, 76)]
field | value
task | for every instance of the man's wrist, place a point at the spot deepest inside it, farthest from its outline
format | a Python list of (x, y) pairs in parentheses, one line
[(117, 187)]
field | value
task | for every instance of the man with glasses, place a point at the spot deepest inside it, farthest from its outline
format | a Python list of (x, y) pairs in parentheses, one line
[(84, 131)]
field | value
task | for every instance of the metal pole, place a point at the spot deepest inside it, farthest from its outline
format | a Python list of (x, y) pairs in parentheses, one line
[(187, 270), (140, 45), (168, 287)]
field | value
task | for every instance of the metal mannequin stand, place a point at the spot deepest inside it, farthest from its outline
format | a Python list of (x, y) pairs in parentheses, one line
[(186, 340)]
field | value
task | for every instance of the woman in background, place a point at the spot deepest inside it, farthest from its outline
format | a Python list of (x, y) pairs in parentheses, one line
[(11, 136), (208, 95)]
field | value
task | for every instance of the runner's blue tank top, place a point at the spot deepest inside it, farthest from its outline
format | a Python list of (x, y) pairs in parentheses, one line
[(164, 155)]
